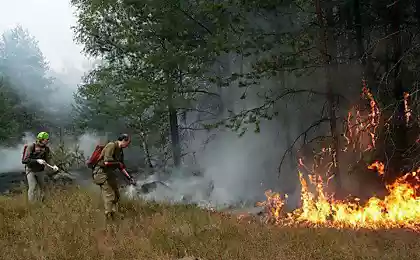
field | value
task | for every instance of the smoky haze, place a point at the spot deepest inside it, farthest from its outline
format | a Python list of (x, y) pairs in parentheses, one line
[(240, 169), (49, 22)]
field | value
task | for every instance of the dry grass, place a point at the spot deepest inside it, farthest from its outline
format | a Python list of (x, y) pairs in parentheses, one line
[(70, 225)]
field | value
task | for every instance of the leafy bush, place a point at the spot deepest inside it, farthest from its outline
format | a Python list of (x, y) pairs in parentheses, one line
[(68, 157)]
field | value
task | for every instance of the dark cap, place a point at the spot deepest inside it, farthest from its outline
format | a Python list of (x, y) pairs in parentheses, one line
[(124, 137)]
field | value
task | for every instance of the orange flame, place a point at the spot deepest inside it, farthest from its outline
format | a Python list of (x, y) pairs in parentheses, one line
[(399, 209), (378, 166), (363, 125)]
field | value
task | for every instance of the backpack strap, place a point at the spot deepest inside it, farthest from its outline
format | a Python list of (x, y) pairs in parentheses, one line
[(47, 149), (32, 150), (32, 146), (30, 153)]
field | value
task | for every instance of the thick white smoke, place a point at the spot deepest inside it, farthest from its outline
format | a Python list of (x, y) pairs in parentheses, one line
[(11, 157), (236, 170)]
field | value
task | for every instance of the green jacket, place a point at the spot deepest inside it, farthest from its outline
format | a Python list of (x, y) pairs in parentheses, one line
[(34, 152)]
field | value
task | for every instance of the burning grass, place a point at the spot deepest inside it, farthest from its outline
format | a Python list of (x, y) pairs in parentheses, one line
[(70, 226), (399, 209)]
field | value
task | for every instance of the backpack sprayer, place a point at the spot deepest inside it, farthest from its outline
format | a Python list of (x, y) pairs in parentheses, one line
[(95, 157)]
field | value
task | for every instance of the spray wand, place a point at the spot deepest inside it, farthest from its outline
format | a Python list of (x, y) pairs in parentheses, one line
[(59, 170), (131, 180)]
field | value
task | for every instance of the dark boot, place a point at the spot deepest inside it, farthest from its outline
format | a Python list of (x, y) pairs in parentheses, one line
[(118, 216), (110, 216)]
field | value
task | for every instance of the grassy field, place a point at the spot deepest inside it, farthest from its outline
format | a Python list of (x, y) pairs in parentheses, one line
[(70, 225)]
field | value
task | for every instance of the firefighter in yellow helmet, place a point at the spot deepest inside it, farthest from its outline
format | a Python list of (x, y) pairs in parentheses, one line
[(35, 157)]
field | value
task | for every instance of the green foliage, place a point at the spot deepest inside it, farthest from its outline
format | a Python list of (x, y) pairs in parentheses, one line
[(68, 157), (23, 84), (161, 55), (8, 114), (24, 63), (156, 54)]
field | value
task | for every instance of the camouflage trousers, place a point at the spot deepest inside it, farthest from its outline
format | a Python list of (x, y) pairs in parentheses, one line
[(107, 181), (36, 185)]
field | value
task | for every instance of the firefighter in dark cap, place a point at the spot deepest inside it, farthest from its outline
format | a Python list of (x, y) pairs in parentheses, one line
[(111, 158)]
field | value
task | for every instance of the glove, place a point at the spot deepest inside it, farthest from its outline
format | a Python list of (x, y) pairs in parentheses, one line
[(55, 168), (132, 181), (40, 161), (121, 166)]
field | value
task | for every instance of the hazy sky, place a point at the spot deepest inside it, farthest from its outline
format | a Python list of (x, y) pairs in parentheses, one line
[(49, 21)]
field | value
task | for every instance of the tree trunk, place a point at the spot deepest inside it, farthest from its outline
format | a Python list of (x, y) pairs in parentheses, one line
[(328, 48), (222, 69), (365, 58), (359, 32), (173, 123), (401, 142), (418, 11), (146, 151)]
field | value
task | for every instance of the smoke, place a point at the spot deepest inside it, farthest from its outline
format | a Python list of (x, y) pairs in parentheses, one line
[(65, 84), (11, 158), (235, 170), (238, 170), (88, 141)]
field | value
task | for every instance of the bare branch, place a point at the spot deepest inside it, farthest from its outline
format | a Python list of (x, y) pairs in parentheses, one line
[(197, 91), (193, 128), (195, 20), (271, 102), (303, 134), (182, 109)]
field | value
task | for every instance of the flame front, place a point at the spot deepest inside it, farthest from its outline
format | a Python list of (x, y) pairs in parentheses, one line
[(399, 209)]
